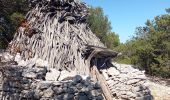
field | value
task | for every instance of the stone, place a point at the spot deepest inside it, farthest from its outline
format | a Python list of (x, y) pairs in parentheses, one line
[(22, 63), (71, 90), (37, 94), (138, 88), (104, 73), (15, 96), (66, 74), (59, 97), (86, 82), (58, 91), (82, 97), (68, 97), (125, 97), (6, 57), (90, 87), (29, 75), (41, 63), (52, 75), (79, 86), (133, 81), (130, 94), (97, 86), (48, 93), (17, 57), (122, 93), (100, 97), (43, 85), (113, 71), (77, 79), (28, 94), (146, 97), (95, 93)]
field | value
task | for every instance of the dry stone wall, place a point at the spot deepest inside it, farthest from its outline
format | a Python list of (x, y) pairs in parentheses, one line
[(126, 82), (27, 83)]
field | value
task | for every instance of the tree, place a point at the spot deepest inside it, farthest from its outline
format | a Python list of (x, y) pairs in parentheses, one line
[(101, 26), (151, 47), (112, 40), (11, 15)]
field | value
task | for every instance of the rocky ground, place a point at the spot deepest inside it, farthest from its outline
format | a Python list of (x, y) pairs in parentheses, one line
[(159, 88)]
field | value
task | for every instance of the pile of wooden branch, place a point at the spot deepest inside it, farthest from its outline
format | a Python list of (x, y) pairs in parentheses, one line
[(56, 31), (72, 10)]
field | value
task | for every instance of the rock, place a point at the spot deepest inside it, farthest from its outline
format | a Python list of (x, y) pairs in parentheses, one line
[(85, 90), (82, 97), (41, 63), (130, 94), (71, 90), (59, 97), (104, 73), (138, 88), (77, 79), (43, 85), (85, 77), (79, 86), (125, 97), (133, 81), (28, 94), (58, 91), (95, 93), (52, 75), (66, 74), (100, 97), (31, 63), (68, 97), (97, 86), (113, 71), (48, 93), (37, 94), (22, 63), (146, 97), (17, 57), (6, 57), (29, 75)]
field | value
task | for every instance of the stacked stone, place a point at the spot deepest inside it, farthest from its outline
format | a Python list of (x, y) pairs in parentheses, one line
[(1, 82), (17, 80), (77, 89), (28, 83), (126, 82)]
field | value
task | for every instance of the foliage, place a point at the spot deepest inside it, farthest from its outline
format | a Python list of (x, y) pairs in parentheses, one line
[(12, 13), (101, 26), (150, 48)]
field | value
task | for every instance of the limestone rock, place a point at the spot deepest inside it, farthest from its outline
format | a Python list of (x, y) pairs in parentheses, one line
[(29, 75), (41, 63), (48, 93), (112, 71), (52, 75)]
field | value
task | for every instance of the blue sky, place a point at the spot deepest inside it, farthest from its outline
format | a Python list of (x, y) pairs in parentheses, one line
[(126, 15)]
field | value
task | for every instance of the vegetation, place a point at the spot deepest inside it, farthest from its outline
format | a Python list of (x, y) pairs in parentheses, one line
[(12, 12), (101, 26), (150, 48)]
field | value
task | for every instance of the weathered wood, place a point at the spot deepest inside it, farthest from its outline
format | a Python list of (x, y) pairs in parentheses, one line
[(97, 76)]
